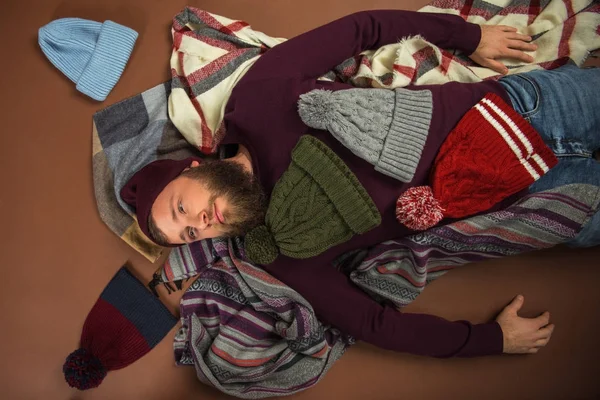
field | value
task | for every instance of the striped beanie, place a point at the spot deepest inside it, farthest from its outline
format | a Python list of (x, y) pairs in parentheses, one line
[(490, 155), (91, 54), (126, 322)]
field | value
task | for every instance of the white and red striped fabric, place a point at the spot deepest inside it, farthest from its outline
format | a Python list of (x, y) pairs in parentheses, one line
[(518, 141), (211, 53)]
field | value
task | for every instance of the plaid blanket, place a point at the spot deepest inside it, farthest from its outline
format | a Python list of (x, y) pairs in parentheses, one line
[(211, 53), (251, 336)]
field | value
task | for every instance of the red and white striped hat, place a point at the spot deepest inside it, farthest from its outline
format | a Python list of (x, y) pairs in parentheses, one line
[(490, 155)]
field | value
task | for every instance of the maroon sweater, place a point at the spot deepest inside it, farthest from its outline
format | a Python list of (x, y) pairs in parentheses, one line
[(262, 114)]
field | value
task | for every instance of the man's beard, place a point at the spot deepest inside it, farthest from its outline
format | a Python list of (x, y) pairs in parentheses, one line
[(242, 191)]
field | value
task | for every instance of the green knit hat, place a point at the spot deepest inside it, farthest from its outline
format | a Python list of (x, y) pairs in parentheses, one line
[(316, 204)]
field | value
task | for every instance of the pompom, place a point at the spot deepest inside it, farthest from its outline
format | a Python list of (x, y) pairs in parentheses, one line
[(83, 370), (260, 246), (315, 108), (418, 209)]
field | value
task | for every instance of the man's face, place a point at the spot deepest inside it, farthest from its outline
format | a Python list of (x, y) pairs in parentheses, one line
[(208, 200)]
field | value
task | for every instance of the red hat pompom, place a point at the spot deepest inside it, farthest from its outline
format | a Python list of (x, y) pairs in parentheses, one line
[(418, 209), (491, 154)]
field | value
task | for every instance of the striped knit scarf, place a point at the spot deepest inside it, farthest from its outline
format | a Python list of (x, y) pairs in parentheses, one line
[(399, 270), (246, 333)]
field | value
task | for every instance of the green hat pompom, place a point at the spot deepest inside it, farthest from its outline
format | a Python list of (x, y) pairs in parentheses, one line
[(260, 246)]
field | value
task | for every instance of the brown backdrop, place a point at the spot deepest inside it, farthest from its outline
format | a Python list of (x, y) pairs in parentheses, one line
[(57, 255)]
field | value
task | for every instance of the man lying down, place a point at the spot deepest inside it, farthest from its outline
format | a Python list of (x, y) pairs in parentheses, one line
[(322, 168)]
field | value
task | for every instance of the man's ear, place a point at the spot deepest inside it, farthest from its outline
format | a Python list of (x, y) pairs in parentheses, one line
[(194, 164)]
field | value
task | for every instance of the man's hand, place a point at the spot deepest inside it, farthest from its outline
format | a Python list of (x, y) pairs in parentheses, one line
[(523, 335), (498, 41)]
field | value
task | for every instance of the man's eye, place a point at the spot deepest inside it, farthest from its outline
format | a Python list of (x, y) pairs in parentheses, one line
[(192, 233), (180, 208)]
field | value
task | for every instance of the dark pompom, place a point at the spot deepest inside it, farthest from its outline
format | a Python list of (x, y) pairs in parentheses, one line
[(83, 370), (260, 246)]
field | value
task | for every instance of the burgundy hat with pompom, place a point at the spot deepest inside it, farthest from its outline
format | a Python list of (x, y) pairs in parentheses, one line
[(490, 155), (126, 322), (143, 188)]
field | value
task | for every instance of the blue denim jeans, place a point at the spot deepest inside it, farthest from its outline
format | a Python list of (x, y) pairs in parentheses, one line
[(563, 105)]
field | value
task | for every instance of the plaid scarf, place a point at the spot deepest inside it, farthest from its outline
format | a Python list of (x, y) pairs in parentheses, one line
[(563, 30), (397, 271)]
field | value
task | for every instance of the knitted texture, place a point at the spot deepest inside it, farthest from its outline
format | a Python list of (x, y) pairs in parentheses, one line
[(263, 245), (386, 128), (83, 370), (316, 204), (418, 209), (90, 53), (492, 154), (123, 128), (397, 271), (246, 333), (126, 322)]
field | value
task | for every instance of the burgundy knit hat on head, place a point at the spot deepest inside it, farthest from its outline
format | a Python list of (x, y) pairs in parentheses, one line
[(126, 322), (490, 155), (145, 186)]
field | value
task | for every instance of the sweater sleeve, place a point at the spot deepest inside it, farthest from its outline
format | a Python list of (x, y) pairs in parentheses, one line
[(339, 303), (316, 52)]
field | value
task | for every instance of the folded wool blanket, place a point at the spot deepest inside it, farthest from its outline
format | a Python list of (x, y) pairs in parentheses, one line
[(211, 53), (251, 336)]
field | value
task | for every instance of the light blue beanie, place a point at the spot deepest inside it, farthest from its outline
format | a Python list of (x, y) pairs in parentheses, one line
[(90, 53)]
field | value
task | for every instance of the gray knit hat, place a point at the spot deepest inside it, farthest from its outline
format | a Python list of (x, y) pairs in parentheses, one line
[(387, 128)]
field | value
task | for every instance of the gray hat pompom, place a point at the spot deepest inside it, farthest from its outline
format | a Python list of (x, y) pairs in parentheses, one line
[(316, 108)]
